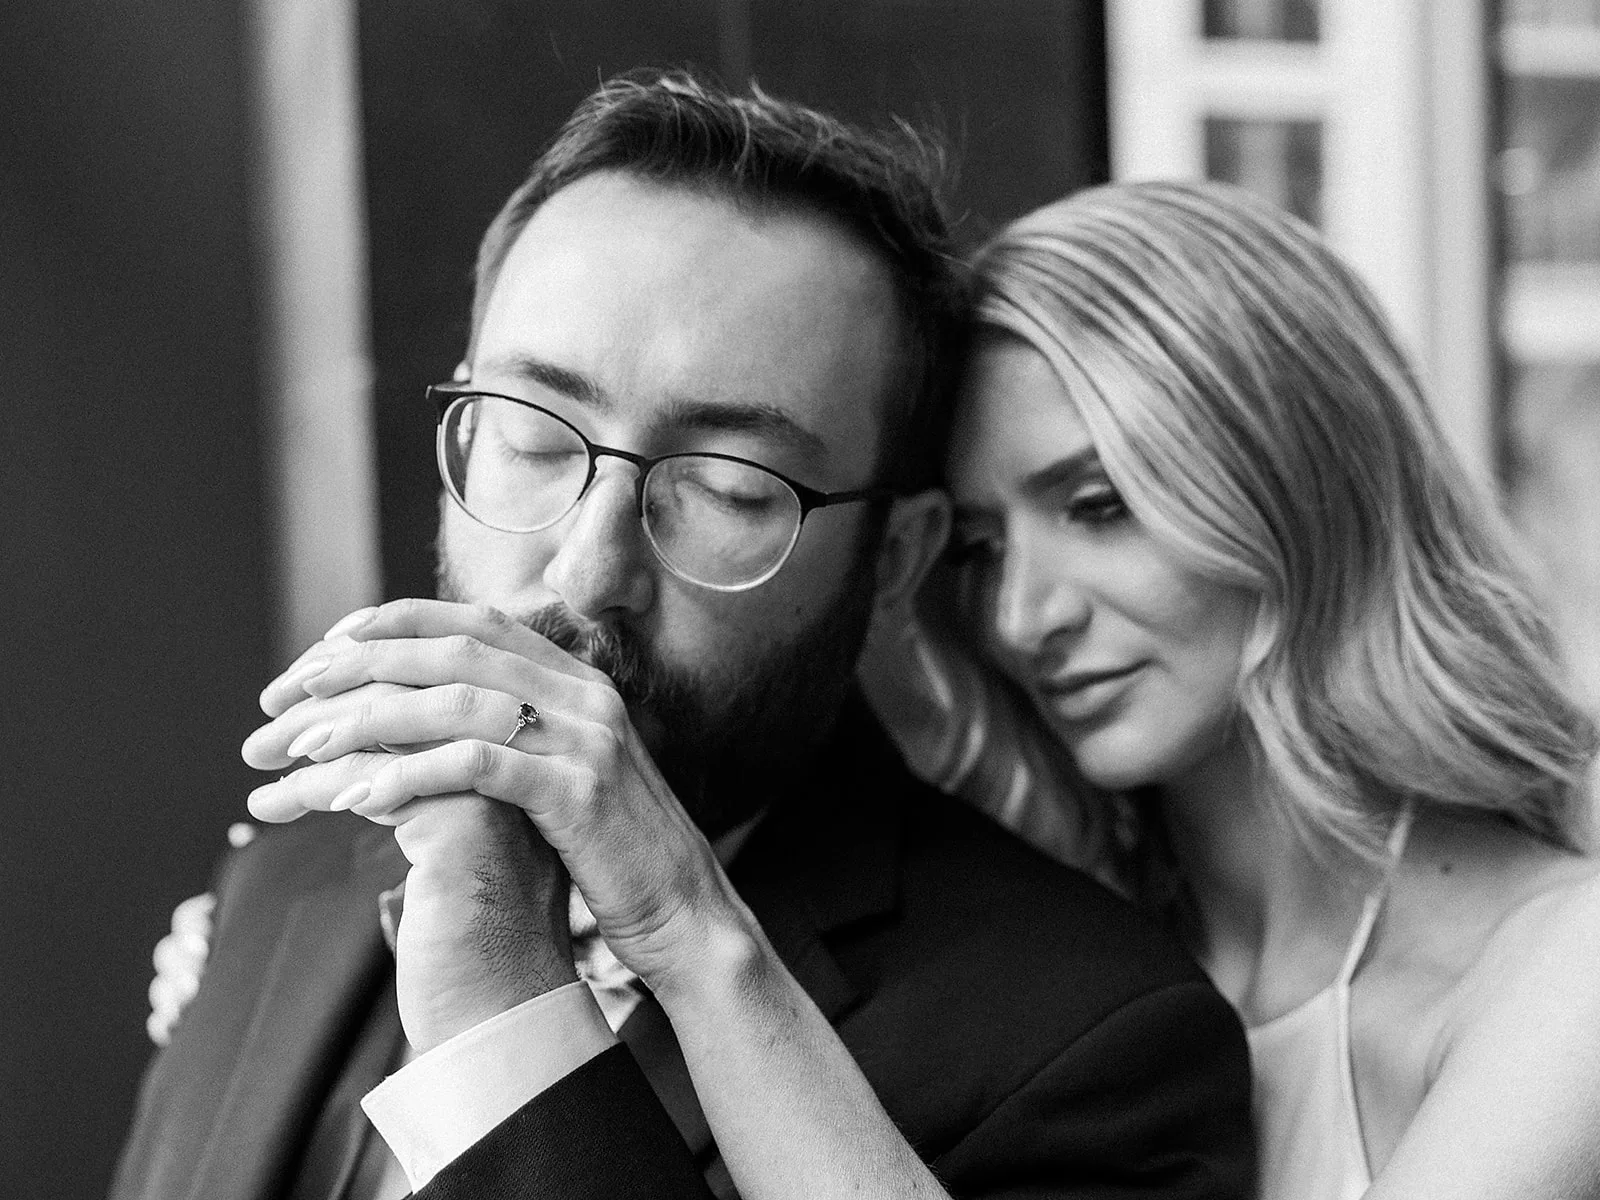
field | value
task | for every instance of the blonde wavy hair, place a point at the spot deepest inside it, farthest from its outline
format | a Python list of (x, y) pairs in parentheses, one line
[(1250, 402)]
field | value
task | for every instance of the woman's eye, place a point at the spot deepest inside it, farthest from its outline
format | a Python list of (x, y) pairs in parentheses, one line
[(1097, 507)]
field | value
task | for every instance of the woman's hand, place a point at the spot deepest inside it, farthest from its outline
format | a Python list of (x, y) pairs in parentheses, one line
[(447, 682), (180, 960)]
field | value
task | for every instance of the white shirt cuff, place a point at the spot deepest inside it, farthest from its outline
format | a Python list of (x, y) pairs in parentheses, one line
[(433, 1108)]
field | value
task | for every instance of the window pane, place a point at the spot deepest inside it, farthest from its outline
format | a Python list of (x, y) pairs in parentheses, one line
[(1554, 491), (1550, 169), (1272, 20), (1279, 160), (1551, 12)]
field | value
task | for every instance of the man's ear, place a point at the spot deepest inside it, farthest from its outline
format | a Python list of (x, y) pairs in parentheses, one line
[(914, 534)]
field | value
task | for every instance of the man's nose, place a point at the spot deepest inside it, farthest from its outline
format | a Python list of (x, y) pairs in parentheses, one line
[(1037, 599), (604, 563)]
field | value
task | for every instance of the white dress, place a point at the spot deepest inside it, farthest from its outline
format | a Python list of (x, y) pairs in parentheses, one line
[(1308, 1127)]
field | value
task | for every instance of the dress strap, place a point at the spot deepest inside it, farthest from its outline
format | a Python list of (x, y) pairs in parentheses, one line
[(1373, 905)]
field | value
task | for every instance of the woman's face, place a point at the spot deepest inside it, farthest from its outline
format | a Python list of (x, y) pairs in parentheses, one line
[(1132, 658)]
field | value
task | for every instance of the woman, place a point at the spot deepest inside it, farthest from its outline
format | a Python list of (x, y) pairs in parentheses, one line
[(1211, 534)]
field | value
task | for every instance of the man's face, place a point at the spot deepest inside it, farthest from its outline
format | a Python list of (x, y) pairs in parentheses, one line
[(656, 320)]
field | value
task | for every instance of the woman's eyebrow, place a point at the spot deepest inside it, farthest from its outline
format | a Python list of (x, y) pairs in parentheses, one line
[(1070, 469)]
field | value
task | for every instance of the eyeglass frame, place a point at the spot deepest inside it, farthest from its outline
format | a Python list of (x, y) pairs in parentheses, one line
[(445, 395)]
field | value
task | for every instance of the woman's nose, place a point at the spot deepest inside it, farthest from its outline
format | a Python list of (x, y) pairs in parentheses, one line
[(1037, 598), (604, 562)]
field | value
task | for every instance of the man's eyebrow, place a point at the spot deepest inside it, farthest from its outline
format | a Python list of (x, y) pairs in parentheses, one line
[(697, 416), (574, 385), (768, 420), (1066, 470)]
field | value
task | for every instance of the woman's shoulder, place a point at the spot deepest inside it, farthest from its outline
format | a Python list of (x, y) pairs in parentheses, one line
[(1506, 926), (1478, 873)]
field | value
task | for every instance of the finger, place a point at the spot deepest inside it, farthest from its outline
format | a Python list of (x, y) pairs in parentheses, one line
[(313, 788), (289, 687), (422, 806), (453, 658), (158, 1026), (276, 744), (165, 1010), (180, 954), (194, 914), (455, 712), (414, 618), (170, 993), (495, 772)]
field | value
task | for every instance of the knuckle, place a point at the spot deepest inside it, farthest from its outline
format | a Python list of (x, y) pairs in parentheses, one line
[(594, 674), (490, 617), (460, 700), (463, 645), (481, 759), (604, 746), (360, 655), (586, 784), (609, 707)]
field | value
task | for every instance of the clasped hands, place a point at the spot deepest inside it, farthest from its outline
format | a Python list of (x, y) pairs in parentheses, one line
[(401, 711)]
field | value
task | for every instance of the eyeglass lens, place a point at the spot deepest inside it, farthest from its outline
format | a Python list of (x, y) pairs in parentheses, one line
[(714, 522)]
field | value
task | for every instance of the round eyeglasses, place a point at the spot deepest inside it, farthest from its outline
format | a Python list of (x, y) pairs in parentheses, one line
[(714, 520)]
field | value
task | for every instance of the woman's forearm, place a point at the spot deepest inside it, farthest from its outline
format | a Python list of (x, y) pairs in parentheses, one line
[(791, 1112)]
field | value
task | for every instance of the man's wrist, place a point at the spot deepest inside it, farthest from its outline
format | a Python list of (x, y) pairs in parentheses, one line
[(436, 1106)]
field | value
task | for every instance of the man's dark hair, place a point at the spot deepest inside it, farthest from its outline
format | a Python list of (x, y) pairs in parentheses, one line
[(676, 129)]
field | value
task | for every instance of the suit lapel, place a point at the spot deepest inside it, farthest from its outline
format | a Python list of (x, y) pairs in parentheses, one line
[(648, 1036), (257, 1050), (828, 859)]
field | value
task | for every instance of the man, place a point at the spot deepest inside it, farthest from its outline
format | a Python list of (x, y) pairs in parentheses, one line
[(687, 463)]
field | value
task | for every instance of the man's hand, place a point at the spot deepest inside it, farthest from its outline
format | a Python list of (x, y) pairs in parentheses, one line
[(450, 679), (484, 925)]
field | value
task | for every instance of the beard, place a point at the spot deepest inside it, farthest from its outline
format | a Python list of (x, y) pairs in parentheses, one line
[(727, 745)]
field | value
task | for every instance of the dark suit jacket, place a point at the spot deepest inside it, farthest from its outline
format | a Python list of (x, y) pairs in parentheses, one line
[(1028, 1032)]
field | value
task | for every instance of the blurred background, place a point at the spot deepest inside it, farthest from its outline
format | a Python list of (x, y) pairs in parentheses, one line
[(235, 245)]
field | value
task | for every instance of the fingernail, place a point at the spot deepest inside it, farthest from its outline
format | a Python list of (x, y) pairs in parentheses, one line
[(350, 624), (310, 740), (351, 796)]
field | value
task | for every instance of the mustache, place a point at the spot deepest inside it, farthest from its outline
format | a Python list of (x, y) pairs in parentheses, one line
[(638, 677)]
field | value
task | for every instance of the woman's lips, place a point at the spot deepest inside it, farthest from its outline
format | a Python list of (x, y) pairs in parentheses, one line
[(1080, 695)]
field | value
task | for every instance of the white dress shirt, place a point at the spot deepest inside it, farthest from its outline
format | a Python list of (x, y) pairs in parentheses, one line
[(440, 1103)]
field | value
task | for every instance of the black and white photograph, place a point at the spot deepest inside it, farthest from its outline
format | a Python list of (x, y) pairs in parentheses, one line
[(800, 599)]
